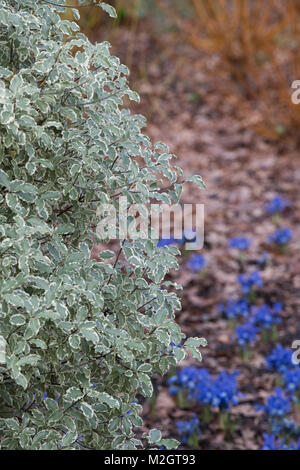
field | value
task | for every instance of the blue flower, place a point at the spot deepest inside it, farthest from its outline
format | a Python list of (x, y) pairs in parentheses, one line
[(277, 405), (240, 243), (188, 428), (187, 379), (44, 396), (247, 282), (32, 403), (235, 308), (196, 382), (280, 359), (263, 260), (197, 262), (278, 204), (291, 381), (281, 236), (294, 445), (246, 334), (270, 443), (203, 389), (173, 390), (166, 242), (189, 236), (265, 317), (179, 345), (284, 426), (226, 392)]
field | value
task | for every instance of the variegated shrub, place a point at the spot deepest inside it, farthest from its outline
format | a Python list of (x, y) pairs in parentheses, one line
[(80, 338)]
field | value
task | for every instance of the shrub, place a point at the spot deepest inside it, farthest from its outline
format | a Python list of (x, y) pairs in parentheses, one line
[(91, 23), (83, 336)]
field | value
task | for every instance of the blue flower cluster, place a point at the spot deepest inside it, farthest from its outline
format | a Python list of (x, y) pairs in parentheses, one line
[(285, 426), (280, 359), (291, 381), (235, 308), (248, 282), (277, 204), (277, 405), (262, 318), (271, 443), (201, 387), (188, 378), (263, 260), (187, 428), (239, 243), (246, 334), (265, 317), (281, 236), (168, 241), (197, 262), (226, 392), (185, 378), (280, 403), (187, 236)]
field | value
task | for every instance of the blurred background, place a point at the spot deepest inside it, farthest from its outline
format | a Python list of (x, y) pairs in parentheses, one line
[(249, 48), (215, 79)]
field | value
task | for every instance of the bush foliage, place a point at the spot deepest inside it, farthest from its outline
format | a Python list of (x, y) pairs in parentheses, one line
[(82, 336)]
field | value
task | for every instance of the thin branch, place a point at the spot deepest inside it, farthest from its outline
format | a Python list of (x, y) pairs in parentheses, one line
[(114, 162), (146, 303), (5, 251), (69, 6), (115, 263), (65, 210)]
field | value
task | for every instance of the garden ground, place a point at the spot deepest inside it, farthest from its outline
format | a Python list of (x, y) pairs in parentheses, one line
[(212, 133)]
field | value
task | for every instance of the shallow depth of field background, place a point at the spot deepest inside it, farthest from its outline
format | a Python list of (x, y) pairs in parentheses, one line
[(215, 80)]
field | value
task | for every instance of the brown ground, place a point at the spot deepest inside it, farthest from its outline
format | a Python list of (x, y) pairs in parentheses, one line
[(212, 134)]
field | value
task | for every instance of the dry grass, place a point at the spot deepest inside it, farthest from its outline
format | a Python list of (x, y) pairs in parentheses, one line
[(258, 43)]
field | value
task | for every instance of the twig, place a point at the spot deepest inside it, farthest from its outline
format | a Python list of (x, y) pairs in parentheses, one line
[(69, 6)]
